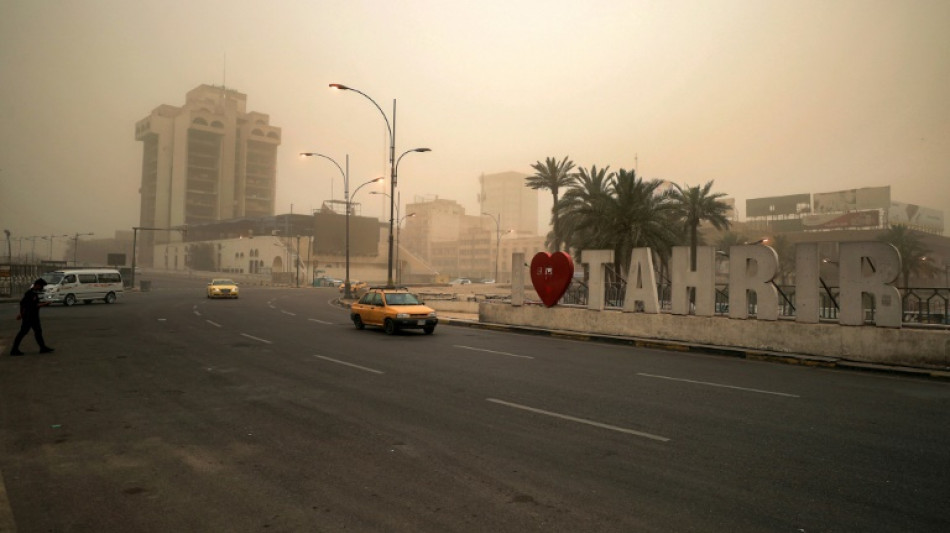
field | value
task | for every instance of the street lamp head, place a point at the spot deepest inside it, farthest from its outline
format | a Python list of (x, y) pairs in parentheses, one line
[(422, 150), (339, 86)]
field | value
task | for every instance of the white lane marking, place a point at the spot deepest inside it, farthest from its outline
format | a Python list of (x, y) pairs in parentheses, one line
[(492, 351), (320, 321), (162, 319), (195, 311), (332, 360), (215, 324), (288, 313), (580, 420), (265, 341), (6, 512), (271, 306), (720, 385)]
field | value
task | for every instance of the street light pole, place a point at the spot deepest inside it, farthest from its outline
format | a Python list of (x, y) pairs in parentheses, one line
[(346, 206), (9, 247), (76, 246), (347, 202), (398, 243), (393, 164), (51, 237), (497, 240)]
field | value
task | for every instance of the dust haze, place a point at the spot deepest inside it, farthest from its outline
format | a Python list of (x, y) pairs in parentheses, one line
[(765, 98)]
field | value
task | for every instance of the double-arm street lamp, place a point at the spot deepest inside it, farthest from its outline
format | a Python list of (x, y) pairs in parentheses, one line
[(50, 239), (76, 246), (497, 240), (347, 205), (393, 166)]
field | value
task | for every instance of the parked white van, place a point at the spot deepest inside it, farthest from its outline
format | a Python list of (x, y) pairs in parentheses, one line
[(86, 285)]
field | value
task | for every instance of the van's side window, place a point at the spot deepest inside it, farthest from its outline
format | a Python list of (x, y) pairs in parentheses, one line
[(71, 278), (110, 277), (87, 278)]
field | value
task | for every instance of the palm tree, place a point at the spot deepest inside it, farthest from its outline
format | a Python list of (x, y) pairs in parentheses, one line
[(585, 197), (912, 250), (617, 211), (552, 175), (694, 205)]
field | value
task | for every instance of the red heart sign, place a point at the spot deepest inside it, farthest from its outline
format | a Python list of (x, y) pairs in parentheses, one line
[(551, 274)]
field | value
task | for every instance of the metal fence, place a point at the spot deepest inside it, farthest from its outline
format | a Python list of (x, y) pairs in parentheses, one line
[(16, 279), (920, 305)]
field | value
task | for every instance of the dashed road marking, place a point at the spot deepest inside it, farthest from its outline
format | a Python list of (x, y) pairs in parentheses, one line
[(265, 341), (720, 385), (337, 361), (492, 351), (580, 420)]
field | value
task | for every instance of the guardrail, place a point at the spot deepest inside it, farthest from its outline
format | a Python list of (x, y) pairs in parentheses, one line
[(921, 305)]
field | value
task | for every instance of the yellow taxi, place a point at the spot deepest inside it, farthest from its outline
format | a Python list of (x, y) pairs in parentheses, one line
[(222, 288), (393, 310), (355, 286)]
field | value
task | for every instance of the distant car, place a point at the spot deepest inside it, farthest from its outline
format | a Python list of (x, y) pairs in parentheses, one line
[(326, 281), (355, 286), (487, 281), (222, 288), (460, 281), (393, 310)]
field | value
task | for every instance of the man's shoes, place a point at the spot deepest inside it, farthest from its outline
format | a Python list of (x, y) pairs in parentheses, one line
[(16, 352), (46, 349)]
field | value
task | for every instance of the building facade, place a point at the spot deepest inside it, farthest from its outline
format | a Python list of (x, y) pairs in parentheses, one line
[(511, 205), (205, 161)]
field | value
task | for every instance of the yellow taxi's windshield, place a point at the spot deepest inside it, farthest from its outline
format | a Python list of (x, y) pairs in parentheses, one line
[(401, 298)]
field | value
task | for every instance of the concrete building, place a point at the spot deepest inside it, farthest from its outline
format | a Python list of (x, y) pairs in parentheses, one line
[(514, 206), (205, 161)]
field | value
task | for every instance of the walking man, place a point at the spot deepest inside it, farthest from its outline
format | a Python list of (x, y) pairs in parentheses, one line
[(30, 315)]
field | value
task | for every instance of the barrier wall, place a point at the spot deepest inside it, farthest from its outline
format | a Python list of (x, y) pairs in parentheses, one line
[(908, 346)]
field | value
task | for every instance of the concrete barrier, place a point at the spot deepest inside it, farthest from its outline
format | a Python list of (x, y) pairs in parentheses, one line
[(904, 346)]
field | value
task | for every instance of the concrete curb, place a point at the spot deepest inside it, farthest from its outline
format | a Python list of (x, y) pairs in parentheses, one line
[(756, 355)]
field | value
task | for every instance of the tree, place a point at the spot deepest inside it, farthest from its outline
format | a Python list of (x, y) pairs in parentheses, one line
[(586, 196), (694, 205), (617, 211), (912, 250), (729, 239), (552, 175)]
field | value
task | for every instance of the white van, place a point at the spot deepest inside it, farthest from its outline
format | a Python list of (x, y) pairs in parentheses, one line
[(86, 285)]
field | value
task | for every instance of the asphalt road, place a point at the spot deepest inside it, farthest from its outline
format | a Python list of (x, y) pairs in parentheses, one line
[(171, 412)]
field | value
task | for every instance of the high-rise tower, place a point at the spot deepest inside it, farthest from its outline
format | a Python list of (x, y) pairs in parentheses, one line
[(207, 160)]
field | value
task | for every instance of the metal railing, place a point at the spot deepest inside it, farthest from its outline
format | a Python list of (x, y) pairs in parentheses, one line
[(921, 305)]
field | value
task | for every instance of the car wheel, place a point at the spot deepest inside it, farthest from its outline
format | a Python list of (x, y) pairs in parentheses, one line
[(389, 326), (428, 330), (358, 322), (69, 300), (110, 298)]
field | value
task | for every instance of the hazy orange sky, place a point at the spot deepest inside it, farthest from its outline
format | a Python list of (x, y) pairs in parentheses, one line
[(764, 97)]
